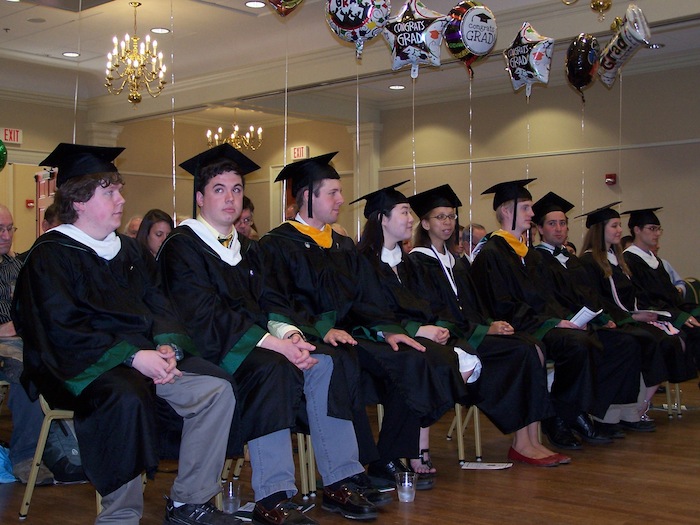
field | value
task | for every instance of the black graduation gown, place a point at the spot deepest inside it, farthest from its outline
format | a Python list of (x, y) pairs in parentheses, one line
[(511, 290), (217, 303), (616, 371), (656, 291), (80, 317), (679, 364), (512, 391), (319, 288)]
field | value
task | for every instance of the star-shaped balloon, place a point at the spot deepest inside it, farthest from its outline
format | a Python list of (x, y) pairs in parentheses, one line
[(414, 36), (528, 58)]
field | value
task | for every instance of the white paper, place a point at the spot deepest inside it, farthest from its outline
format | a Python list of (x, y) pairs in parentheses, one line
[(478, 465), (584, 316)]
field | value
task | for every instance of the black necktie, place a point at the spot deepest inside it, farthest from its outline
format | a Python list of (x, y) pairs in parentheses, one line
[(561, 251), (226, 241)]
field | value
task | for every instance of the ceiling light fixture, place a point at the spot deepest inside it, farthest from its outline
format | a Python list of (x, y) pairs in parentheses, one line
[(255, 4), (397, 87), (138, 66), (251, 140), (71, 54), (600, 7), (160, 30)]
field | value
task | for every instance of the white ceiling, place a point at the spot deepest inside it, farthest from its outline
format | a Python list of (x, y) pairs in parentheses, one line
[(221, 55)]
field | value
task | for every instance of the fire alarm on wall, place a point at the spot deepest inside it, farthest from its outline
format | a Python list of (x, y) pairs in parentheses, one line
[(611, 179)]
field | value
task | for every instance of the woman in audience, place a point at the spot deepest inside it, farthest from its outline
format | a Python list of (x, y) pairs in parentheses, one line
[(155, 227), (513, 391), (609, 274)]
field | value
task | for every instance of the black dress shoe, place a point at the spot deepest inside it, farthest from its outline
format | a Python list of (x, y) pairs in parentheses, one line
[(609, 430), (387, 471), (364, 486), (584, 429), (638, 426), (348, 502), (559, 434), (284, 513)]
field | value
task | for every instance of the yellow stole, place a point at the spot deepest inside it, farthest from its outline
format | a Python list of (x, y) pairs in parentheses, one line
[(518, 245), (324, 237)]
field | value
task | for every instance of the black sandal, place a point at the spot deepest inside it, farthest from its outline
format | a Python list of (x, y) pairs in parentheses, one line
[(427, 463)]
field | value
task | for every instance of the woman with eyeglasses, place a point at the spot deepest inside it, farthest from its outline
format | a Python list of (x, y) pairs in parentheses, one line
[(513, 390), (609, 273)]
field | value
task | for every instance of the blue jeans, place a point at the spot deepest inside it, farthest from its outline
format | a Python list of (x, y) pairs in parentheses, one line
[(335, 445)]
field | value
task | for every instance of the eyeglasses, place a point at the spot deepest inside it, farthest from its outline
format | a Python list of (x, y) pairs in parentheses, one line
[(654, 229), (247, 220), (444, 218), (7, 229)]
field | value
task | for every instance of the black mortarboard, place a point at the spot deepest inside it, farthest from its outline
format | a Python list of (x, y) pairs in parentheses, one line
[(549, 203), (513, 190), (303, 173), (218, 153), (641, 218), (222, 152), (601, 214), (384, 199), (75, 160), (442, 196)]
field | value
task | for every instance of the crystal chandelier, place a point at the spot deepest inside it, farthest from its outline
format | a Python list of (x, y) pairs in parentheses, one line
[(252, 139), (139, 67)]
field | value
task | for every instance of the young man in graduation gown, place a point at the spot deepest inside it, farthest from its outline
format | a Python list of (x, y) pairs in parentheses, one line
[(505, 272), (102, 340), (319, 282), (212, 276), (617, 370), (654, 286)]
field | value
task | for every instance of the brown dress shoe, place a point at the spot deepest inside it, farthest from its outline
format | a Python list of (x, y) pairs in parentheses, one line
[(285, 512)]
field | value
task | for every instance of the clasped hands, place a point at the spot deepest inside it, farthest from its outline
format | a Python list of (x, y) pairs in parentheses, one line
[(160, 365)]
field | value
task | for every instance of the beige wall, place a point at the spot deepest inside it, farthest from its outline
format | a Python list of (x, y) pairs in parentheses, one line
[(656, 163), (568, 148)]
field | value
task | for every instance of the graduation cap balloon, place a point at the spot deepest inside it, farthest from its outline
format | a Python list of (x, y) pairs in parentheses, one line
[(75, 160), (383, 199)]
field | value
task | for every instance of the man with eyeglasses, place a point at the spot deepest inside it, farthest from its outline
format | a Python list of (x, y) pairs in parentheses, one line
[(26, 415), (654, 286)]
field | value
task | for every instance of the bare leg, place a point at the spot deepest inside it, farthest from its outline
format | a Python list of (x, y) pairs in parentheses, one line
[(523, 443)]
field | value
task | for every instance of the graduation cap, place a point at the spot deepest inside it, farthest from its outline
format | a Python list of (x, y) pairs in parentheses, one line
[(601, 214), (75, 160), (222, 152), (549, 203), (641, 218), (442, 196), (513, 190), (384, 199), (483, 17), (303, 173)]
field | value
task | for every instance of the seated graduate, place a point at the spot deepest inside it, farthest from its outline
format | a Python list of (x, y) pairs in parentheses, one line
[(211, 274), (629, 349), (506, 274), (608, 271), (155, 226), (654, 286), (102, 340), (320, 283), (513, 389), (381, 205)]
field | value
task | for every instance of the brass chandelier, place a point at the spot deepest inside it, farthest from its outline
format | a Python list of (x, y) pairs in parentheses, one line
[(252, 139), (137, 67)]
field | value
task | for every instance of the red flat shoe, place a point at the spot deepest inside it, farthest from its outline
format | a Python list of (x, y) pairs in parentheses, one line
[(549, 461), (561, 458)]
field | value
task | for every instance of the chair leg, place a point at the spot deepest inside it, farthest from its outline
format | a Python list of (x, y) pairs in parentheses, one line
[(380, 415), (239, 463), (311, 463), (477, 433), (461, 454), (303, 465), (669, 404), (33, 473)]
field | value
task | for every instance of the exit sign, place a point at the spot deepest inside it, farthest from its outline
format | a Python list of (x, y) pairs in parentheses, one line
[(300, 152), (11, 135)]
